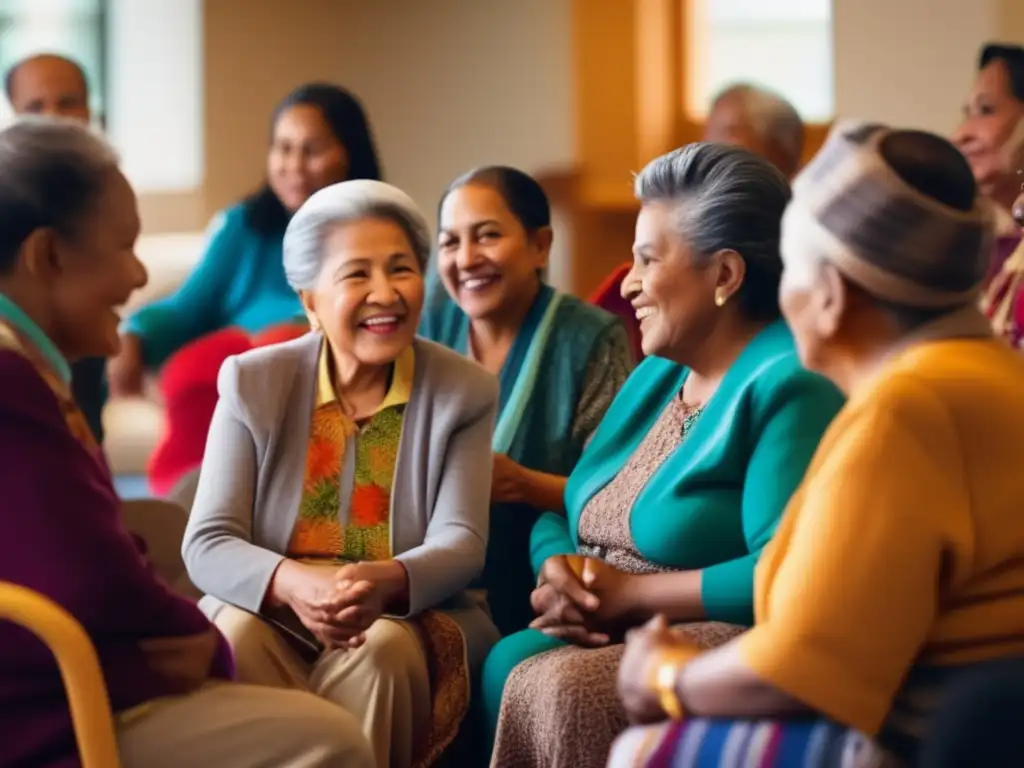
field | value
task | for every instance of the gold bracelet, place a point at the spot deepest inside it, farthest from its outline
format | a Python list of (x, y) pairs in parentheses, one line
[(666, 675)]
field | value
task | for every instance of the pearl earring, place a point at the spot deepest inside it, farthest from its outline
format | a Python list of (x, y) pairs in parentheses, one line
[(720, 297)]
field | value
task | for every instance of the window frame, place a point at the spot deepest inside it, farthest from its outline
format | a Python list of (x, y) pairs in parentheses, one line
[(663, 78)]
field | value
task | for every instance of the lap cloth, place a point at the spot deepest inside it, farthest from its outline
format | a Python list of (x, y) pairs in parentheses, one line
[(701, 743)]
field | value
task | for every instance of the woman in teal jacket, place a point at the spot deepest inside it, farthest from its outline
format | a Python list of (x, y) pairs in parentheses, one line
[(319, 136), (687, 475), (237, 295)]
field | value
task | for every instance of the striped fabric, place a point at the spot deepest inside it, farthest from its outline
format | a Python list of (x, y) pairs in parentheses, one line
[(705, 743), (850, 208)]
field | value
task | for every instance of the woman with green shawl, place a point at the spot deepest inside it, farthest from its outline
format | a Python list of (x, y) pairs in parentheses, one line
[(559, 361)]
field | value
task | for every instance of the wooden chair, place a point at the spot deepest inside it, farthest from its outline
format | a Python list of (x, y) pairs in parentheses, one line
[(79, 669)]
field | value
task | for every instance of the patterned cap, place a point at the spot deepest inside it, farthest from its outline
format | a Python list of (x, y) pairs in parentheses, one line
[(850, 208)]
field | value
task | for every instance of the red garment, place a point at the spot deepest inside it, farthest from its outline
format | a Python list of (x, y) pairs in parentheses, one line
[(608, 297), (188, 384), (1003, 302)]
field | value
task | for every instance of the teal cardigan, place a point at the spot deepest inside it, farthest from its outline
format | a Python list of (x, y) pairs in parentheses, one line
[(716, 500), (239, 282)]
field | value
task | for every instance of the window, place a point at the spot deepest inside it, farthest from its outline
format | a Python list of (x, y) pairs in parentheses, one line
[(72, 28), (784, 45)]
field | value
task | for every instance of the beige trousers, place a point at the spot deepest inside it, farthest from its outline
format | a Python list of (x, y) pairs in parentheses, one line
[(385, 683), (241, 726)]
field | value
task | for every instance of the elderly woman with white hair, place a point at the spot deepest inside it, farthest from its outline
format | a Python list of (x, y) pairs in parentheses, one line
[(897, 566), (343, 502)]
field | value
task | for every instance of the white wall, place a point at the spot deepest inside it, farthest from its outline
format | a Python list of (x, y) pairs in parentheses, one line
[(451, 84), (910, 63)]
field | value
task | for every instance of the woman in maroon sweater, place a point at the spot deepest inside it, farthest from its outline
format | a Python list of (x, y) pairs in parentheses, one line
[(68, 225)]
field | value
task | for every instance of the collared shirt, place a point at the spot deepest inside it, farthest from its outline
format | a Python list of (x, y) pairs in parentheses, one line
[(398, 393), (345, 510)]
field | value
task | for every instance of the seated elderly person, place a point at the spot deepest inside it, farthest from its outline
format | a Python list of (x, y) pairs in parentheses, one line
[(686, 476), (342, 506), (897, 565), (760, 120), (68, 225)]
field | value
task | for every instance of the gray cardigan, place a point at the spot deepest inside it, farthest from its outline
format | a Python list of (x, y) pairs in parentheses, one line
[(250, 485)]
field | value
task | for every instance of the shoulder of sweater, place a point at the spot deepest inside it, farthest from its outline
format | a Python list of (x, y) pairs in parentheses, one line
[(232, 222), (266, 375), (780, 376), (21, 387), (450, 377)]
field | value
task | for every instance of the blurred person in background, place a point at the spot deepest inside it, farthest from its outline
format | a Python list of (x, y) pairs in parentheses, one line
[(760, 120), (237, 297), (991, 137)]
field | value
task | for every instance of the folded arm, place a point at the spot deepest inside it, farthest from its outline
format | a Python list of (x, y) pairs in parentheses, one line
[(795, 417), (857, 586)]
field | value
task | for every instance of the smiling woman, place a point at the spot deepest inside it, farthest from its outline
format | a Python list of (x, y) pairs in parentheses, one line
[(559, 360), (686, 477), (316, 574)]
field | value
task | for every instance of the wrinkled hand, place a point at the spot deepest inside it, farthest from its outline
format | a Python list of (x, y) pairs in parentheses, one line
[(363, 605), (615, 591), (509, 480), (563, 605), (317, 597), (646, 648), (125, 373)]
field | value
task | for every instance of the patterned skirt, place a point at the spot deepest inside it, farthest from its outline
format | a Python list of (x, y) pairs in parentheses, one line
[(706, 743), (561, 709)]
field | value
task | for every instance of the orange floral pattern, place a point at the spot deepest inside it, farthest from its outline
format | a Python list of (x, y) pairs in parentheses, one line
[(320, 532)]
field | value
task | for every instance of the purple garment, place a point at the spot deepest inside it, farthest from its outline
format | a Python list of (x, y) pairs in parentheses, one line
[(62, 536)]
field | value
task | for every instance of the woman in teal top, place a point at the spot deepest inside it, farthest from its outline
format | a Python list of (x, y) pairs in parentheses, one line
[(559, 361), (319, 135), (688, 474)]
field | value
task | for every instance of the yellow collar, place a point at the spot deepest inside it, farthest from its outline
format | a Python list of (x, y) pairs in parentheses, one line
[(398, 393)]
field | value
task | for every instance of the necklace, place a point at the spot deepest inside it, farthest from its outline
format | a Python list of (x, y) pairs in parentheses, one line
[(692, 413)]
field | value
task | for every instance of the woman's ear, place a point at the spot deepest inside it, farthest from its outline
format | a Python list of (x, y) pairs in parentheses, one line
[(542, 240), (40, 256), (308, 300), (731, 271), (830, 300)]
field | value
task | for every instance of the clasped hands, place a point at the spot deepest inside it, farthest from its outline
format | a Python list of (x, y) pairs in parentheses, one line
[(337, 605), (583, 600)]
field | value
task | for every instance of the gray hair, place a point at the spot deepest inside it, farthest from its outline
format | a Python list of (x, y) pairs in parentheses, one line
[(52, 170), (772, 116), (339, 204), (725, 198)]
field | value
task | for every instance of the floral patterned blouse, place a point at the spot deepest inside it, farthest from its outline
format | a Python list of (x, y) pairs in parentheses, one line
[(345, 512)]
